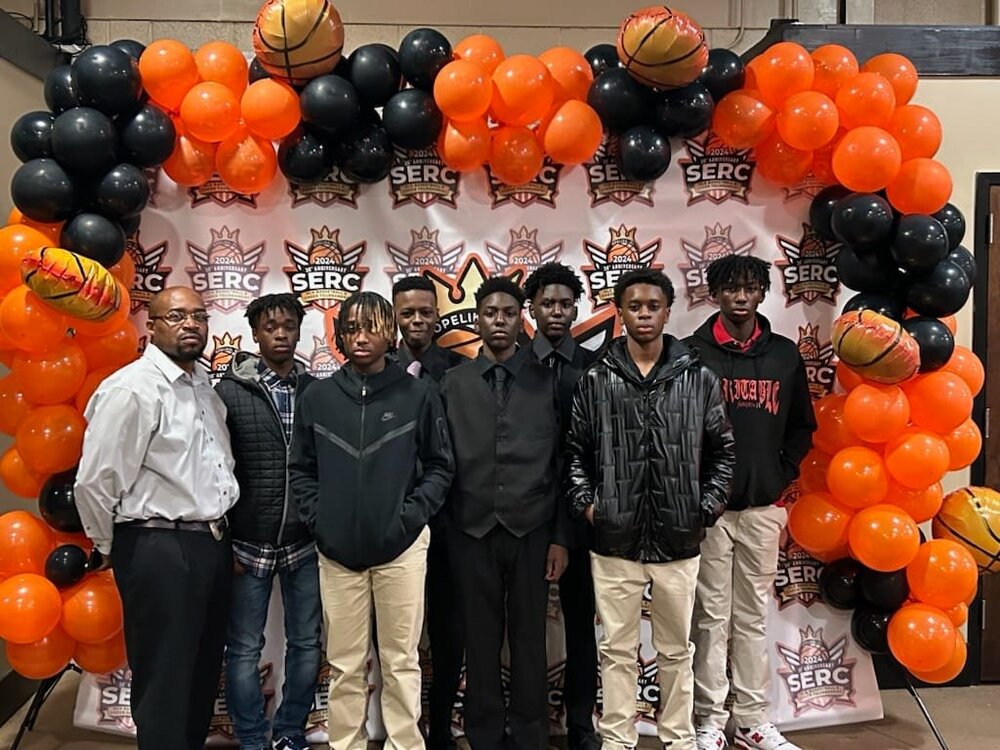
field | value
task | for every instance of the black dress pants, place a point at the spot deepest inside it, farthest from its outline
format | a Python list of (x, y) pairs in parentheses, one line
[(444, 627), (502, 586), (175, 589), (576, 594)]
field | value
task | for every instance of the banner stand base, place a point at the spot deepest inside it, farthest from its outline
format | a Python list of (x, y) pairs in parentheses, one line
[(45, 689), (923, 709)]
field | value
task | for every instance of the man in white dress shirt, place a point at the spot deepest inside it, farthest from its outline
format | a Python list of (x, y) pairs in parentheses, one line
[(154, 484)]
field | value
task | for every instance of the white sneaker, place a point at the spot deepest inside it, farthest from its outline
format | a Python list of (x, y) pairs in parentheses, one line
[(762, 737), (709, 738)]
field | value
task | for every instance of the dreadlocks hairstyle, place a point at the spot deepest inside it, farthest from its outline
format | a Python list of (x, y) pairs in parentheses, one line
[(643, 276), (495, 284), (553, 273), (413, 283), (287, 302), (374, 313), (737, 269)]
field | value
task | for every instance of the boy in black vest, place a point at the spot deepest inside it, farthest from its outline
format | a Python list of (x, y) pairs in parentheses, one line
[(767, 396), (507, 535)]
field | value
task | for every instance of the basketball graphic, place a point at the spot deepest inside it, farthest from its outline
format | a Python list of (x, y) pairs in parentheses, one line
[(875, 347), (524, 247), (71, 283), (425, 250), (297, 40), (812, 246), (224, 349), (662, 48), (971, 517), (325, 247), (623, 247), (718, 243), (224, 249)]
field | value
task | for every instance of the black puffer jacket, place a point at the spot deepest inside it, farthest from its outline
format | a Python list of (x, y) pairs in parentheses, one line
[(265, 512), (653, 455)]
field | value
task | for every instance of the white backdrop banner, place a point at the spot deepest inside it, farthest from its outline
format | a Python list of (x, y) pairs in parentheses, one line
[(326, 241)]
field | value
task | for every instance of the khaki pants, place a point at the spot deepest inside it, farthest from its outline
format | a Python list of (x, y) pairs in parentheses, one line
[(397, 589), (618, 586), (739, 558)]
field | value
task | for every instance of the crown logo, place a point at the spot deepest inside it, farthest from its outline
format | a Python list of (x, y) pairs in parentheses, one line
[(523, 235), (424, 238), (227, 341)]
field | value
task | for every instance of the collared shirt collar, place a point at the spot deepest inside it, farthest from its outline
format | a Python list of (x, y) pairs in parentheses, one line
[(723, 338), (271, 378), (512, 365), (543, 347), (170, 369)]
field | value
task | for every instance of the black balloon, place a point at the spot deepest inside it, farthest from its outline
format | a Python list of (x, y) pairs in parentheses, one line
[(43, 191), (964, 260), (602, 57), (422, 54), (93, 236), (821, 210), (31, 136), (123, 191), (412, 119), (96, 560), (839, 583), (375, 74), (330, 103), (885, 591), (884, 304), (147, 137), (66, 565), (256, 71), (863, 221), (870, 629), (684, 112), (941, 292), (366, 154), (130, 47), (920, 243), (725, 72), (935, 340), (130, 224), (84, 141), (620, 102), (643, 154), (57, 504), (107, 79), (864, 273), (304, 157), (58, 89), (954, 224)]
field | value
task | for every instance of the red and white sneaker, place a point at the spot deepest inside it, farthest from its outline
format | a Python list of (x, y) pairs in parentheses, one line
[(762, 737), (709, 738)]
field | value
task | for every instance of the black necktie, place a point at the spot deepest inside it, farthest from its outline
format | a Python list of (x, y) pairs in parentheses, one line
[(500, 385)]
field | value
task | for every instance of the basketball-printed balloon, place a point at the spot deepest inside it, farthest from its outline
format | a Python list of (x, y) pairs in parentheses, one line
[(875, 347), (971, 517), (662, 48), (297, 40), (71, 283)]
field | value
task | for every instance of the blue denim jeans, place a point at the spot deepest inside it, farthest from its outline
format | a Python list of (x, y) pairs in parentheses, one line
[(245, 639)]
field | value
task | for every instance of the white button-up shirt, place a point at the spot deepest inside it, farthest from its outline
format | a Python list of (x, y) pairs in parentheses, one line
[(156, 446)]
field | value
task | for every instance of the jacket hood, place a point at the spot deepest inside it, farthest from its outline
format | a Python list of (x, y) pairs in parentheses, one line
[(676, 358), (351, 383), (758, 348), (244, 368)]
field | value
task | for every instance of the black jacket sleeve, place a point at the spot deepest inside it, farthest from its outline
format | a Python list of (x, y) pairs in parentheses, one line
[(437, 463), (800, 426), (578, 461), (303, 471), (718, 454)]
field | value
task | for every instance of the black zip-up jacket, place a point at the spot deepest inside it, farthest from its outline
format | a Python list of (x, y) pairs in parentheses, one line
[(767, 396), (653, 455), (265, 512), (371, 463)]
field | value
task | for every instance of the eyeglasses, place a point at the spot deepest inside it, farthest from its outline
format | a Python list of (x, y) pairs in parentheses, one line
[(176, 317)]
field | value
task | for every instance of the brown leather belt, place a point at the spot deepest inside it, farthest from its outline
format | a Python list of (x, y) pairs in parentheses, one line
[(216, 528)]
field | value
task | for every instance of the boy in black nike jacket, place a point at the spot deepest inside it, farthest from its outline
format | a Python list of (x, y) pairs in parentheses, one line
[(371, 463)]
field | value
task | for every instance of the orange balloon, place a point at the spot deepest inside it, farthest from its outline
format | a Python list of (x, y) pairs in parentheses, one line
[(884, 538), (270, 108), (570, 71), (922, 186), (857, 478), (573, 133), (921, 637), (951, 322), (779, 163), (812, 471), (832, 432), (867, 99), (25, 541), (917, 130), (898, 71), (90, 383), (17, 477), (742, 119), (222, 63), (922, 505), (952, 668), (818, 523), (847, 378), (52, 376), (515, 155), (866, 159), (44, 658), (522, 90), (101, 658), (210, 112), (834, 66), (959, 614), (967, 366), (781, 70), (168, 72), (481, 50), (939, 401), (13, 404), (30, 324), (50, 438), (92, 610), (192, 162), (964, 444), (463, 91), (246, 162), (51, 231), (876, 412), (115, 349), (916, 459), (464, 146), (808, 120), (15, 241), (943, 574), (822, 167), (124, 271), (29, 608)]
